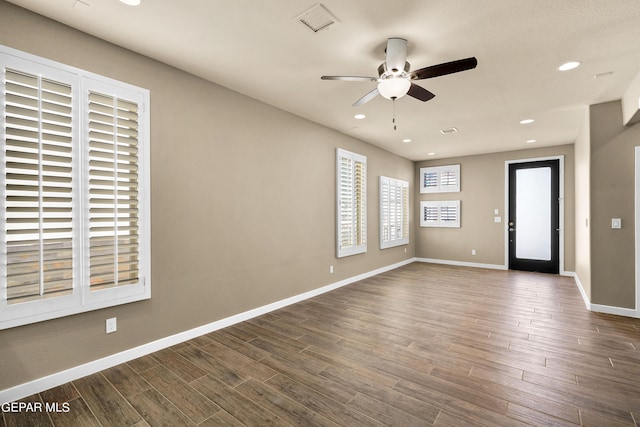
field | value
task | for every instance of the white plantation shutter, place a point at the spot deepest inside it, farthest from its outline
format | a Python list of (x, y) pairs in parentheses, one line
[(440, 213), (351, 203), (38, 196), (394, 212), (431, 214), (405, 213), (449, 214), (385, 210), (430, 180), (449, 179), (440, 179), (113, 191), (75, 193)]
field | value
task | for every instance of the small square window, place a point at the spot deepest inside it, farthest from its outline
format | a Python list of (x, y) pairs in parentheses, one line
[(440, 179), (440, 214)]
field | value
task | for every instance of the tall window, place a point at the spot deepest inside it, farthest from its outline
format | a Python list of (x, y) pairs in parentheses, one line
[(75, 200), (351, 189), (394, 212)]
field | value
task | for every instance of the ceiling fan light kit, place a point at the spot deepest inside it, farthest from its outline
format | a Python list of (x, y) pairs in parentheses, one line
[(393, 87)]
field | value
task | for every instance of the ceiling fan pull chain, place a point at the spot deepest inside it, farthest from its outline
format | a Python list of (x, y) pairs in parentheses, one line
[(394, 113)]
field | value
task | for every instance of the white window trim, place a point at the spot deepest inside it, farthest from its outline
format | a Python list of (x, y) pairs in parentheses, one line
[(439, 172), (354, 247), (398, 207), (439, 205), (82, 299)]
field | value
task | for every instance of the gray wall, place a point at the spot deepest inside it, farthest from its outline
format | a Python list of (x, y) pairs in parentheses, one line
[(612, 193)]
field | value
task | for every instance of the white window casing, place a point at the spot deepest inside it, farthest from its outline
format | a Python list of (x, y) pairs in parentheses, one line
[(75, 203), (351, 203), (440, 213), (394, 212), (440, 179)]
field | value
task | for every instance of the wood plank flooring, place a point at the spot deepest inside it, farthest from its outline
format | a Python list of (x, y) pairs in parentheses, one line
[(420, 345)]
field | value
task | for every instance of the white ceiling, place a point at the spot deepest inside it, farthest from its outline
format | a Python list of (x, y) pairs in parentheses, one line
[(258, 48)]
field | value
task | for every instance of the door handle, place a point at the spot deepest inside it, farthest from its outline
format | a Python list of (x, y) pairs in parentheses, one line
[(511, 224)]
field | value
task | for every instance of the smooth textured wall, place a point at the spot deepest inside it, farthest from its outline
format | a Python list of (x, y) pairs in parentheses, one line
[(612, 196), (583, 206), (482, 190), (242, 206)]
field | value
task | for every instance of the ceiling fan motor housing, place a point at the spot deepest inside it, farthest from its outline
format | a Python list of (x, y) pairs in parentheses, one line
[(383, 73), (396, 53)]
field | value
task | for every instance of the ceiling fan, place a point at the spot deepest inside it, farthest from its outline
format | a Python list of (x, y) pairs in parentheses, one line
[(395, 80)]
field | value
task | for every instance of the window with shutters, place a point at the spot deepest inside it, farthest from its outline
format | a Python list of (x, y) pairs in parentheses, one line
[(75, 196), (440, 213), (440, 179), (351, 190), (394, 212)]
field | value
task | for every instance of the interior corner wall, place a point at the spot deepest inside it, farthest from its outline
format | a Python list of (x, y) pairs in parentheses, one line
[(482, 190), (612, 193), (242, 206), (583, 206)]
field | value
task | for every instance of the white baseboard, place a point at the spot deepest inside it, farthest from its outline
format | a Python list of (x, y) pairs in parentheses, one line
[(585, 298), (618, 311), (41, 384), (462, 263), (599, 308)]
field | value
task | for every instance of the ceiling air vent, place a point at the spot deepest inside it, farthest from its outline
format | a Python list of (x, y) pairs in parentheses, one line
[(449, 130), (317, 18)]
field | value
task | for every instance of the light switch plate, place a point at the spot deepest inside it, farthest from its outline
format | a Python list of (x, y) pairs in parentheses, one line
[(616, 222)]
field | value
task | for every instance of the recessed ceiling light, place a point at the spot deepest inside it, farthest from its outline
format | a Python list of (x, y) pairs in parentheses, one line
[(531, 141), (431, 154), (406, 140), (131, 2), (359, 116), (569, 66), (526, 121)]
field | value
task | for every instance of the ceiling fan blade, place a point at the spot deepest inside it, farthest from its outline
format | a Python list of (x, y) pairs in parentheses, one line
[(445, 68), (396, 54), (418, 92), (350, 78), (368, 97)]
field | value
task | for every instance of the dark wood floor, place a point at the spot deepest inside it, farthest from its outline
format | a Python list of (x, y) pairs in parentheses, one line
[(421, 345)]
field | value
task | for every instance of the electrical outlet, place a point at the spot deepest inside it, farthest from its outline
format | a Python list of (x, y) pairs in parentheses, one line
[(112, 325), (473, 251), (331, 269)]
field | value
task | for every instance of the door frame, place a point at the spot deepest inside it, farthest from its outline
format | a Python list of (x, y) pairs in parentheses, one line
[(560, 159), (636, 206)]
